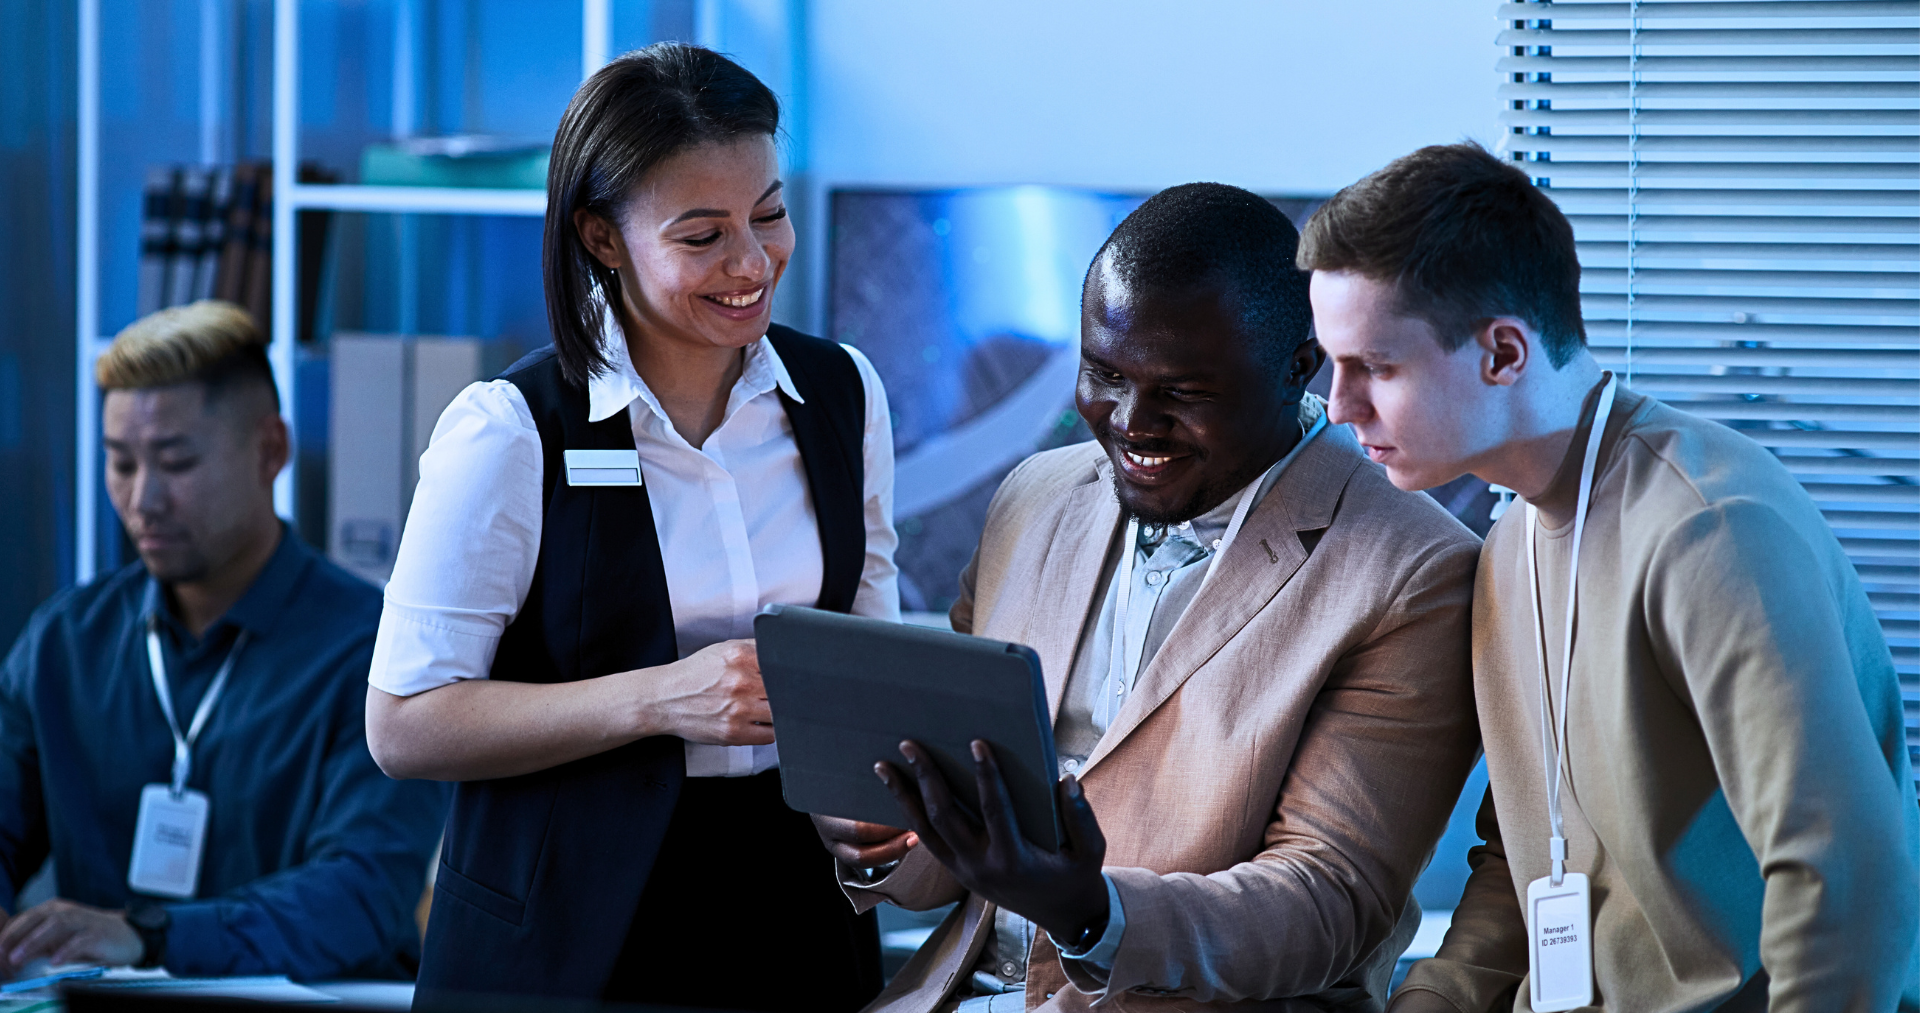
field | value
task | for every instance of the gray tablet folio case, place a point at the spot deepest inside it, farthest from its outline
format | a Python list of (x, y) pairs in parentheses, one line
[(845, 690)]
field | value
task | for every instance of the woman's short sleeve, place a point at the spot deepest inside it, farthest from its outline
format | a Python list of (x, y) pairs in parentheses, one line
[(469, 549)]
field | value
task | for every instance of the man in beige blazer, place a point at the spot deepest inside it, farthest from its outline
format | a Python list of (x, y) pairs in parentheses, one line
[(1250, 802)]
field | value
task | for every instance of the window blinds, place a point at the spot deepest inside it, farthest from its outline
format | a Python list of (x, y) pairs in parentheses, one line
[(1743, 180)]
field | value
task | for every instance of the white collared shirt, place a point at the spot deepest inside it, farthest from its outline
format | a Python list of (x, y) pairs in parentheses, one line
[(735, 519)]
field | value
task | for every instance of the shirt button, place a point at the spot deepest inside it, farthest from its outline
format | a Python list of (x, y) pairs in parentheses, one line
[(1009, 968), (1071, 765), (1155, 578), (1120, 690)]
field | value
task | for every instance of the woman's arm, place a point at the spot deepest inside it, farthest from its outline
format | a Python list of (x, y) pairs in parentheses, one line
[(478, 729), (461, 576)]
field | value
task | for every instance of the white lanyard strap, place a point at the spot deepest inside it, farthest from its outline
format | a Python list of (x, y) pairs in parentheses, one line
[(1124, 650), (1553, 743), (1253, 493), (183, 744)]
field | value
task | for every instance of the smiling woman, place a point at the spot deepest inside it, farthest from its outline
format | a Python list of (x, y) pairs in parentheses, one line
[(566, 631)]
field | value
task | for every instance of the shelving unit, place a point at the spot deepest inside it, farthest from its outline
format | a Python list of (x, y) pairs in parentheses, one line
[(596, 25), (596, 21)]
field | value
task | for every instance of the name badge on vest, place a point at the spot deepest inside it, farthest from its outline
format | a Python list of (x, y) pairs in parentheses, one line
[(603, 467), (1559, 922), (168, 836)]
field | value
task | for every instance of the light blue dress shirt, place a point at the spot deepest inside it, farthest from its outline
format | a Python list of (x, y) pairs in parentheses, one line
[(1170, 565)]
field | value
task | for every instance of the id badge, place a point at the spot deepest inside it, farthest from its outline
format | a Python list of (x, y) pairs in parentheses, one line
[(603, 467), (1560, 950), (167, 841)]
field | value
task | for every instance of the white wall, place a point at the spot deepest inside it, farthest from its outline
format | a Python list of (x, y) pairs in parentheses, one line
[(1280, 96)]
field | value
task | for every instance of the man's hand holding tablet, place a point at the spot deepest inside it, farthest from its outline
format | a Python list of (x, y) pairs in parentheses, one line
[(1061, 891), (845, 691)]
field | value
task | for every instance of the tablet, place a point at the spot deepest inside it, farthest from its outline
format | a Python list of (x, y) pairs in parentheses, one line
[(845, 690)]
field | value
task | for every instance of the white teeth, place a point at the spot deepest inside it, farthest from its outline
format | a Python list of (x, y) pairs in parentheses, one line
[(739, 301), (1145, 462)]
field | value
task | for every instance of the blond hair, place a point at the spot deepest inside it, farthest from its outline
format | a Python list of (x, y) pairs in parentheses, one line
[(209, 341)]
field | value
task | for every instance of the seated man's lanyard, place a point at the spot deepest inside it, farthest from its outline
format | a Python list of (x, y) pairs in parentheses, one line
[(1559, 906), (183, 743)]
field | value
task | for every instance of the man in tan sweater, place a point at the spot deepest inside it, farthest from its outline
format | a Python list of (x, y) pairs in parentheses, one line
[(1735, 787)]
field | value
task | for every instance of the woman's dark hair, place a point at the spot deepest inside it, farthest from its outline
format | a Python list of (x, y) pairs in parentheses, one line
[(1463, 237), (630, 116)]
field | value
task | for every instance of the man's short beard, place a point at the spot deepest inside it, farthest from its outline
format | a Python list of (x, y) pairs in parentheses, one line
[(183, 571)]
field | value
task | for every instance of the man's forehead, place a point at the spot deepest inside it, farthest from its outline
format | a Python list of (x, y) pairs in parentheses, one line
[(1162, 353), (158, 413)]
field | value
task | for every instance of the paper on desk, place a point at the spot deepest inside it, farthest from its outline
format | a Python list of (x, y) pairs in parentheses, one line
[(265, 988)]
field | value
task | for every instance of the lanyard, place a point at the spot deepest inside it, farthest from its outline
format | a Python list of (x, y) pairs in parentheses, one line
[(1246, 501), (183, 744), (1124, 649), (1553, 747)]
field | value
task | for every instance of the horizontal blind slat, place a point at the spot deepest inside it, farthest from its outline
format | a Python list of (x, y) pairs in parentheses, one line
[(1762, 9), (1902, 342), (1663, 144), (1828, 439), (1903, 257), (1800, 411), (1830, 174), (1888, 37), (1594, 90), (1896, 467), (1889, 312), (1616, 118), (1849, 228), (1655, 63), (1859, 284), (1891, 203), (1850, 492), (1904, 392)]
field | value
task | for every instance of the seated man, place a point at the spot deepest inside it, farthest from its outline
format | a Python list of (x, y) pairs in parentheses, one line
[(1730, 815), (184, 738), (1256, 657)]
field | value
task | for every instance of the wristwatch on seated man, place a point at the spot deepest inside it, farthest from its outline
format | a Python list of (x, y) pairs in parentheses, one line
[(151, 921)]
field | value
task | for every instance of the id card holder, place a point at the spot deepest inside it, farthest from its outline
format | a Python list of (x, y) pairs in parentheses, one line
[(602, 467), (168, 838), (1560, 943)]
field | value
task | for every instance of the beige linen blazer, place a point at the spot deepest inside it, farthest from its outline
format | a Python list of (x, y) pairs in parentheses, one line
[(1285, 765)]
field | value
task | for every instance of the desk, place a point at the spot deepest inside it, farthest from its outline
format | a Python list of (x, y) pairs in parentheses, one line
[(396, 996)]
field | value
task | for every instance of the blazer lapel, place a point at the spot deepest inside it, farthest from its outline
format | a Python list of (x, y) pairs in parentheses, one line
[(1069, 580), (1263, 557)]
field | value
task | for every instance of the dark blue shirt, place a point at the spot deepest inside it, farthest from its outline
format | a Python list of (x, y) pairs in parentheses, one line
[(314, 859)]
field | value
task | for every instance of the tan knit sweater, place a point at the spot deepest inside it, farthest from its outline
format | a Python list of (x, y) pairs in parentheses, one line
[(1738, 785)]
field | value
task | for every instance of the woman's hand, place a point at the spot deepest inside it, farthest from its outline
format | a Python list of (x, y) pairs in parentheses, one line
[(863, 845), (713, 696)]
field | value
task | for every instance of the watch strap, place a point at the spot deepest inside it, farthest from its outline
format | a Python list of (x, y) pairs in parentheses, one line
[(151, 922)]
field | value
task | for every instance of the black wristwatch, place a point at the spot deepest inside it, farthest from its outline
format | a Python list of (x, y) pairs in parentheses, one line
[(151, 921)]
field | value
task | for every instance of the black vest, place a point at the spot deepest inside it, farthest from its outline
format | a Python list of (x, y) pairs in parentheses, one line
[(540, 875)]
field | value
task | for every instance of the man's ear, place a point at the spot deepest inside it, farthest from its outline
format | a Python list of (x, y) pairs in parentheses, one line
[(272, 440), (600, 238), (1304, 364), (1506, 345)]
